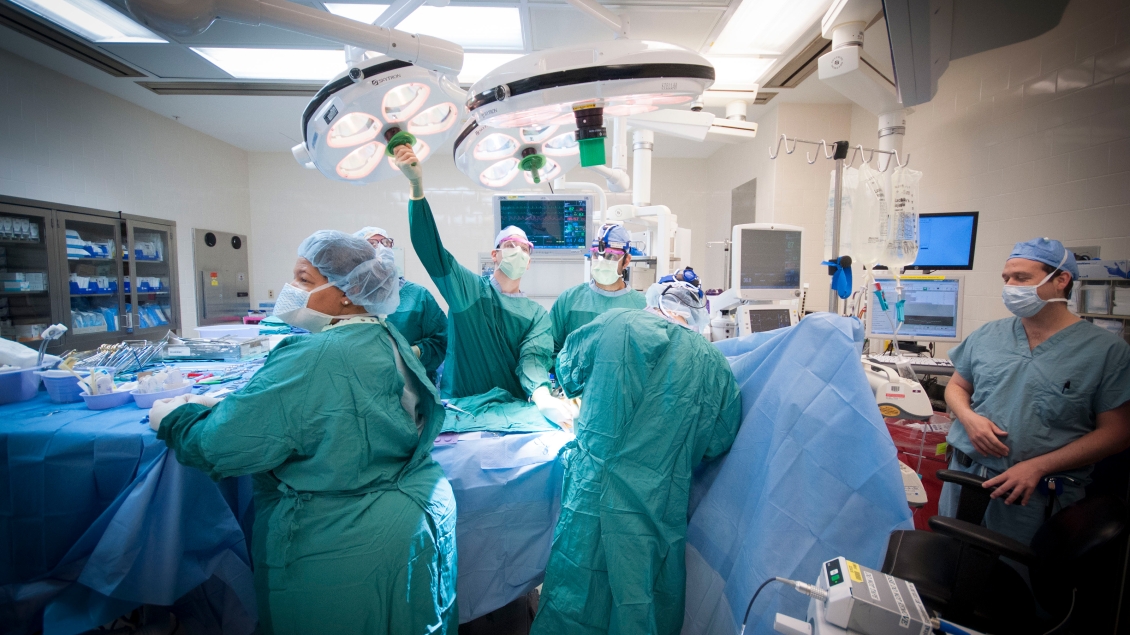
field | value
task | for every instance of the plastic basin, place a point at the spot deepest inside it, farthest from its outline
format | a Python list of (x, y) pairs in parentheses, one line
[(146, 400), (19, 385), (62, 386), (107, 401)]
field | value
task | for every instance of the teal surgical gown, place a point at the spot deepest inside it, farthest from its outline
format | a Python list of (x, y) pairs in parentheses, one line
[(582, 304), (496, 340), (420, 320), (354, 522), (1045, 398), (657, 399)]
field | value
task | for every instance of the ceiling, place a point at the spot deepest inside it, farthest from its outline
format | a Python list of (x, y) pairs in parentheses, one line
[(271, 123)]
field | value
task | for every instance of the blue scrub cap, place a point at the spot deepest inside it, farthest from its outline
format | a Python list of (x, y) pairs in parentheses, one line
[(366, 275), (1048, 251)]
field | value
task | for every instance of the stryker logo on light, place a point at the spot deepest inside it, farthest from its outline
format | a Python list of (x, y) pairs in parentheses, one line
[(380, 80)]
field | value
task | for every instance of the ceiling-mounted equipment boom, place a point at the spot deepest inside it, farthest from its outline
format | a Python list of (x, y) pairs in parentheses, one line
[(186, 18)]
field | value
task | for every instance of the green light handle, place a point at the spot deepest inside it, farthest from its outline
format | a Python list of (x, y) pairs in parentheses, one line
[(402, 138)]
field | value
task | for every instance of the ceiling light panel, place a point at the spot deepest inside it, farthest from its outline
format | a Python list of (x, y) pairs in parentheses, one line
[(738, 73), (767, 27), (484, 28), (92, 20), (262, 63)]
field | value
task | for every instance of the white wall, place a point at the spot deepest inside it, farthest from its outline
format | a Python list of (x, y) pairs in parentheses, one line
[(1034, 137), (67, 143)]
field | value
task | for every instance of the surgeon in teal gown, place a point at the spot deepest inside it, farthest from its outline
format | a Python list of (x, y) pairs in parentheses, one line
[(418, 317), (498, 338), (354, 522), (657, 400), (579, 305)]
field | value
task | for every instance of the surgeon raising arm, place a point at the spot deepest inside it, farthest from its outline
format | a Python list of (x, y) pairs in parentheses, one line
[(1040, 394), (354, 521), (498, 337)]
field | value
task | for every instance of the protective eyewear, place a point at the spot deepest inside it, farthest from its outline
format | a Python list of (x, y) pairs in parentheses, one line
[(614, 255), (387, 242), (515, 243)]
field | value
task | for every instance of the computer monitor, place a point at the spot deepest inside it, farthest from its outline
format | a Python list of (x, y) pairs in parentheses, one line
[(559, 222), (932, 311), (946, 241), (766, 261)]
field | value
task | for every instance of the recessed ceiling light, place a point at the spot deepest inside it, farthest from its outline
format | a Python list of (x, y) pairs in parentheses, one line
[(261, 63), (767, 27), (737, 72), (92, 20), (495, 28)]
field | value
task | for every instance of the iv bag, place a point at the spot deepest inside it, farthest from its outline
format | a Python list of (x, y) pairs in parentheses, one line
[(851, 178), (902, 220), (869, 216)]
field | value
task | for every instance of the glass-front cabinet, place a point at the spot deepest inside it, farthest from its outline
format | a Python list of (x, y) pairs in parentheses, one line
[(26, 302), (107, 276), (93, 297), (150, 280)]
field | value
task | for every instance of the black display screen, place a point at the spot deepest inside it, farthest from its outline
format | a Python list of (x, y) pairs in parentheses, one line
[(770, 259)]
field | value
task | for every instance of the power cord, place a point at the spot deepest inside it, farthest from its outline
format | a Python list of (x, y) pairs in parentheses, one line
[(810, 590)]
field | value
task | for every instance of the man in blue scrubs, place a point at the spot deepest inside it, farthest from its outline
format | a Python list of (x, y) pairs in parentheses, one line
[(1043, 393)]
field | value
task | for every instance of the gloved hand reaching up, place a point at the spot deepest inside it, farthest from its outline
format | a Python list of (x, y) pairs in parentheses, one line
[(410, 165)]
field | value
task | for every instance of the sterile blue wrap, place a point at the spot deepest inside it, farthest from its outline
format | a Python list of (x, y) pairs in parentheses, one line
[(812, 475), (508, 495), (97, 518)]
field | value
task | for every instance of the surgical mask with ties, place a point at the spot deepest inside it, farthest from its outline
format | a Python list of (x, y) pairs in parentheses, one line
[(290, 307), (1025, 301), (514, 262), (605, 272)]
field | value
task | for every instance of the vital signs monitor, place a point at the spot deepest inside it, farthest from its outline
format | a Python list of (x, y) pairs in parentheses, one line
[(551, 221), (766, 261)]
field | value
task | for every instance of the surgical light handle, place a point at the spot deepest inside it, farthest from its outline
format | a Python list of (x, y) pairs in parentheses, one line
[(187, 18)]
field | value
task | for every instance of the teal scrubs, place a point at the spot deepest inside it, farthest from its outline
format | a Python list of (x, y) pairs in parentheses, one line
[(657, 399), (1044, 398), (420, 320), (354, 521), (582, 304), (496, 340)]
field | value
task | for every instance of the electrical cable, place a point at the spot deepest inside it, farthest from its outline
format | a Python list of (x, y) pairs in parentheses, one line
[(1065, 617), (751, 600)]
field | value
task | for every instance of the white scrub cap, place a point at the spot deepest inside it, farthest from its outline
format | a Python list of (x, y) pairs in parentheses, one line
[(365, 274), (368, 232), (513, 233)]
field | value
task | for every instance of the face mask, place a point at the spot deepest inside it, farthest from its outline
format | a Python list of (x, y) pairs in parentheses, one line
[(290, 307), (1025, 301), (605, 271), (514, 262)]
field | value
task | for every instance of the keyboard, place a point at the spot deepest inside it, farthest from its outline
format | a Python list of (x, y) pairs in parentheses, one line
[(933, 362)]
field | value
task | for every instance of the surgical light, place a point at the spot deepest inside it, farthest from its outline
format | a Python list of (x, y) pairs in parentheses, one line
[(264, 63), (494, 157), (477, 65), (583, 84), (767, 27), (354, 122), (474, 27), (92, 20)]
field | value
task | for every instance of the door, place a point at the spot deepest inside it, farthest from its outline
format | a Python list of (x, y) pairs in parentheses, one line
[(223, 287), (26, 303), (150, 272), (92, 294)]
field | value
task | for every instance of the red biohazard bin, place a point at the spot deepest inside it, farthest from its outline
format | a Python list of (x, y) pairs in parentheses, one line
[(924, 450)]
